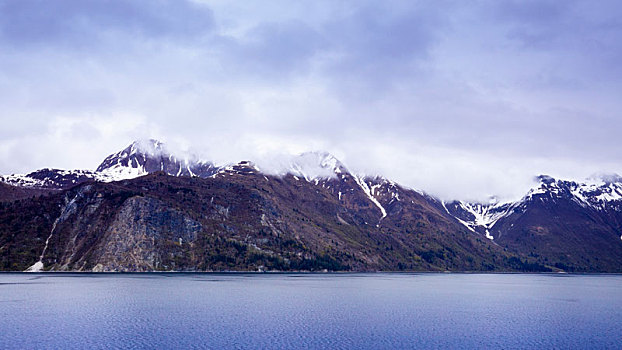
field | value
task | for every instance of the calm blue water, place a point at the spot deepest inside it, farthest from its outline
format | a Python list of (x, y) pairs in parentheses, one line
[(352, 311)]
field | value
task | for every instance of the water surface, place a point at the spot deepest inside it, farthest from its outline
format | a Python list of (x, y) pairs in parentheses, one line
[(327, 311)]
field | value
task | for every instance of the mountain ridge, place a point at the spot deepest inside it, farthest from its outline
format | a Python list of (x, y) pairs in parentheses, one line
[(424, 232)]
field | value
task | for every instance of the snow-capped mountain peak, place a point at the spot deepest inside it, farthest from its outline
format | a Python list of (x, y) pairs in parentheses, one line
[(597, 193), (148, 156), (315, 165), (139, 158), (131, 161)]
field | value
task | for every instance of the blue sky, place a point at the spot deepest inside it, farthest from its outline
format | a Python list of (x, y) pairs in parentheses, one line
[(462, 99)]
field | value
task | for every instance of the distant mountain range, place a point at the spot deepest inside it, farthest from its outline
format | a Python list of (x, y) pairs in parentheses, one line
[(144, 209)]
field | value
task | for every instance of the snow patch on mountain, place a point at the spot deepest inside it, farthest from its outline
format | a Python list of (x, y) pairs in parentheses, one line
[(361, 182), (22, 180), (119, 172), (243, 167), (51, 178), (485, 215)]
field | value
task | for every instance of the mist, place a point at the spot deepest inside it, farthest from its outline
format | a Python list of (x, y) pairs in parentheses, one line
[(459, 100)]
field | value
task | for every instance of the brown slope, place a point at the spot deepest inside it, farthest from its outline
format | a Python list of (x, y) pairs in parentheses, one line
[(561, 233), (239, 220), (10, 193)]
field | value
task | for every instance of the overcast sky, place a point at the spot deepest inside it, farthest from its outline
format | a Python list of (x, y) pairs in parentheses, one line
[(460, 99)]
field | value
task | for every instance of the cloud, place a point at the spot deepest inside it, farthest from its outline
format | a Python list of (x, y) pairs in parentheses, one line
[(374, 44), (80, 24), (272, 50), (462, 100)]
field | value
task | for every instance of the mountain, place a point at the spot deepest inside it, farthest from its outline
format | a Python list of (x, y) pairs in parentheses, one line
[(145, 157), (566, 224), (52, 179), (240, 220), (139, 158), (10, 193), (144, 209)]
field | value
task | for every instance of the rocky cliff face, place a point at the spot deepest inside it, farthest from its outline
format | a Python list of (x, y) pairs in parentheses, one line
[(145, 235)]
